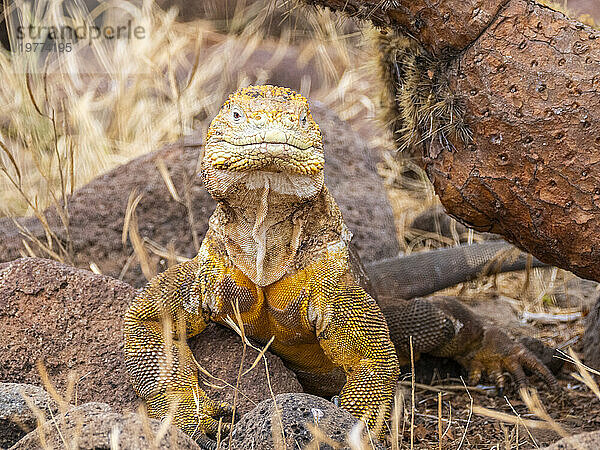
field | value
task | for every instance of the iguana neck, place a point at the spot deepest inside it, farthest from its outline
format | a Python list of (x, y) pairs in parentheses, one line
[(263, 229)]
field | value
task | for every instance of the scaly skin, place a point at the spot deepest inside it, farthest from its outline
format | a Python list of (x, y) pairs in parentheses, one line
[(278, 249), (443, 327)]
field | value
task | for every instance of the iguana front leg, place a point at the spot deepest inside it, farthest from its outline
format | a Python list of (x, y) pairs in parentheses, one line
[(353, 334), (165, 376)]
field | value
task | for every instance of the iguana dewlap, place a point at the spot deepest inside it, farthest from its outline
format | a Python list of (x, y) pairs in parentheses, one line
[(277, 248)]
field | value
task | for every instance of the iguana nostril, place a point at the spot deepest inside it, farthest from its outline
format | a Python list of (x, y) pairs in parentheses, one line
[(259, 120), (277, 136)]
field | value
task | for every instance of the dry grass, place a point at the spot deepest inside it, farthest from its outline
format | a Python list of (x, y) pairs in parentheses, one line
[(85, 112), (93, 115)]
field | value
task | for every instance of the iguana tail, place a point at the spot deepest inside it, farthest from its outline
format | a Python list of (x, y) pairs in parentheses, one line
[(423, 273)]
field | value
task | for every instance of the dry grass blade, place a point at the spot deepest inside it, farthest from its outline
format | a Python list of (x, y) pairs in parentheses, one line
[(58, 430), (166, 176), (412, 394), (72, 380), (440, 420), (319, 437), (277, 429), (380, 422), (62, 404), (584, 373), (40, 418), (397, 414), (131, 224), (143, 413), (508, 418), (234, 326), (31, 96), (355, 437), (519, 416), (219, 436), (115, 435), (167, 253), (28, 249), (240, 323), (259, 356), (165, 424), (532, 400), (132, 203), (12, 161), (464, 435)]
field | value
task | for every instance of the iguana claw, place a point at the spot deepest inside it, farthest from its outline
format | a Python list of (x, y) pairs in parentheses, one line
[(497, 353), (212, 427)]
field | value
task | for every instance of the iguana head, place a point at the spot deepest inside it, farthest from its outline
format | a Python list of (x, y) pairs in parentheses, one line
[(266, 128), (263, 163)]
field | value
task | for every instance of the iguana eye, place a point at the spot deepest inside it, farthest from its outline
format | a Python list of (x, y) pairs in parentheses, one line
[(237, 114), (303, 119)]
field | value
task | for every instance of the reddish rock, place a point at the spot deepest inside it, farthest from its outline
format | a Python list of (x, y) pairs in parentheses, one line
[(97, 426), (71, 320)]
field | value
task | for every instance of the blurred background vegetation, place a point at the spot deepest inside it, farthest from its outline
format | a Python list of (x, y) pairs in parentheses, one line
[(68, 117)]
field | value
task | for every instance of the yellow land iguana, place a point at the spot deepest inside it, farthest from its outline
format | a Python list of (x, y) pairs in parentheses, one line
[(278, 249)]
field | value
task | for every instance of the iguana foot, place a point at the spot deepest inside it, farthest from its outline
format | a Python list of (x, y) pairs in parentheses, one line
[(196, 414), (497, 354), (210, 416), (444, 327)]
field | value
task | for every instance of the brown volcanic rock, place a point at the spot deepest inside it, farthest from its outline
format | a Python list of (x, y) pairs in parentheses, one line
[(261, 428), (97, 210), (71, 320), (16, 417), (97, 426)]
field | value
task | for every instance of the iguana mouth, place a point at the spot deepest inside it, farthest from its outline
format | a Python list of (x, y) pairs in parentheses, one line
[(242, 154), (272, 136)]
